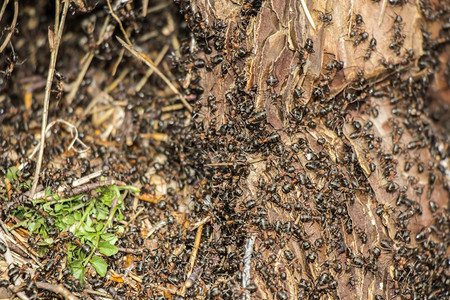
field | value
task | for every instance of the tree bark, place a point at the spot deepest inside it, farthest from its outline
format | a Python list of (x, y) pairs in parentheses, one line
[(347, 170)]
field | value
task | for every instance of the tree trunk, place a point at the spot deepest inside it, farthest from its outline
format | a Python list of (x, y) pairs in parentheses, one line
[(320, 142)]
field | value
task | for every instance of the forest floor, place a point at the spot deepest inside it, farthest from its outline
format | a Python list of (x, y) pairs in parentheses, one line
[(108, 216), (111, 207)]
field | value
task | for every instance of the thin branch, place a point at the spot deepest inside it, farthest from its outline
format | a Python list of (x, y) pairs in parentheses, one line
[(161, 288), (9, 259), (193, 257), (92, 292), (145, 59), (82, 189), (158, 7), (149, 73), (54, 54), (116, 65), (196, 273), (5, 3), (155, 228), (86, 178), (79, 79), (20, 243), (226, 164), (308, 15), (119, 22), (13, 25), (129, 251), (57, 289), (383, 9), (76, 183), (196, 225), (172, 107), (144, 7), (134, 217), (87, 63), (118, 80)]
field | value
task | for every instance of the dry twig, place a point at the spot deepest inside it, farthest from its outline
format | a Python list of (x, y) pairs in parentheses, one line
[(149, 73), (145, 59), (155, 228), (308, 15), (158, 7), (383, 9), (57, 289), (86, 64), (13, 24), (92, 292), (162, 289), (119, 22), (202, 222), (134, 217), (144, 7), (5, 3), (79, 78), (225, 164), (9, 259), (193, 257), (20, 243), (53, 56)]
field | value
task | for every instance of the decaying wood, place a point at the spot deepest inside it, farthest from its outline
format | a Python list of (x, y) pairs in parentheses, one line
[(275, 40)]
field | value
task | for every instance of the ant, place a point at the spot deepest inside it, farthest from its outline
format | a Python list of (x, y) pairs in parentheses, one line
[(10, 63), (59, 85), (325, 17), (370, 49)]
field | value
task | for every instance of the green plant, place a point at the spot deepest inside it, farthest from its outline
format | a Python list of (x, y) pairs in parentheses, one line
[(83, 222)]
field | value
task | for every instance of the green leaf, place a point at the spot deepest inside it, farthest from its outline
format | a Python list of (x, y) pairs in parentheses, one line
[(58, 207), (119, 217), (89, 227), (43, 232), (11, 174), (89, 221), (107, 248), (109, 237), (108, 196), (48, 240), (69, 219), (19, 212), (99, 226), (33, 226), (77, 269), (24, 224), (102, 213), (99, 265), (26, 184), (90, 236), (60, 225), (77, 216)]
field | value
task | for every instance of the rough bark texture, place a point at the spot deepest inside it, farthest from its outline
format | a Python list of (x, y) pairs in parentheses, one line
[(360, 219)]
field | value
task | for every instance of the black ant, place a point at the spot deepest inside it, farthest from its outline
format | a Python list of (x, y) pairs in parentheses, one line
[(11, 62), (326, 17), (59, 85)]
